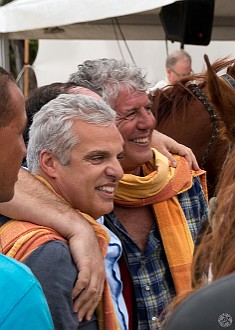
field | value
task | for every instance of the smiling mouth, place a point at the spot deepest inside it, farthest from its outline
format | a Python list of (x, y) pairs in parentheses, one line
[(140, 140), (106, 189)]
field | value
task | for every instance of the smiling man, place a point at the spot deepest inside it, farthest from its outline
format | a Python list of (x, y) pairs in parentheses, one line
[(74, 149), (158, 210), (151, 198)]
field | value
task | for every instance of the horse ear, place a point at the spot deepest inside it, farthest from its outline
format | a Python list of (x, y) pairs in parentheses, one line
[(222, 96)]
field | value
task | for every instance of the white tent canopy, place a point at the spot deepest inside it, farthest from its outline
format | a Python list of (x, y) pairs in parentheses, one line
[(84, 20), (22, 15), (75, 19), (35, 19), (94, 19)]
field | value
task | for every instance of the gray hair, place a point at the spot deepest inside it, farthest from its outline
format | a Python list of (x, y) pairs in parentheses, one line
[(177, 56), (51, 127), (106, 77)]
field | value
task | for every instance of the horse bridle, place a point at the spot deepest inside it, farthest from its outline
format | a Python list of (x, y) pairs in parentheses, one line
[(229, 80), (213, 116)]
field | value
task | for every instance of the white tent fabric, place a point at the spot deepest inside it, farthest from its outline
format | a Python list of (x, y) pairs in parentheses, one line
[(21, 15), (94, 19), (57, 59), (83, 20)]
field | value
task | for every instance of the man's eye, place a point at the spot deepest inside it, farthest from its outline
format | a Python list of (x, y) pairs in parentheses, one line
[(149, 107), (97, 159), (130, 115), (120, 157)]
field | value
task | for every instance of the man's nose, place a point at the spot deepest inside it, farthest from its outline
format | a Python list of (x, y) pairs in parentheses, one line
[(146, 119), (115, 170)]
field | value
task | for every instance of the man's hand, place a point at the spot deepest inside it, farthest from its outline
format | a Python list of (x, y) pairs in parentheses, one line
[(167, 146), (89, 286)]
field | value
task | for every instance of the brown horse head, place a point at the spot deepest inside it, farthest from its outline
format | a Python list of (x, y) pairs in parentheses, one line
[(222, 95), (190, 119), (221, 244)]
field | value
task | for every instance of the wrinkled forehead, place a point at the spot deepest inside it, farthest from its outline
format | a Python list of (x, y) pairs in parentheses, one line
[(129, 98), (85, 91)]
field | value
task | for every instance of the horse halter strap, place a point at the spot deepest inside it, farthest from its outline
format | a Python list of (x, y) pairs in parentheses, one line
[(213, 117), (229, 80)]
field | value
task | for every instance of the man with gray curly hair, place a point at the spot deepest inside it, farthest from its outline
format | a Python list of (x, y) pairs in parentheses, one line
[(75, 150), (123, 86), (106, 77), (158, 210)]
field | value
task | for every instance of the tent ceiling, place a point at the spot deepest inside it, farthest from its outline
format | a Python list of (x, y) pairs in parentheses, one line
[(135, 26)]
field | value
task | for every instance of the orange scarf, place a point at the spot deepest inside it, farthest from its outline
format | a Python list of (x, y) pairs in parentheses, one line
[(159, 186), (19, 239)]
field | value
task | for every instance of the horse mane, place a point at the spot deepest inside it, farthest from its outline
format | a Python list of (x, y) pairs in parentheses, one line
[(169, 100), (222, 96), (216, 251)]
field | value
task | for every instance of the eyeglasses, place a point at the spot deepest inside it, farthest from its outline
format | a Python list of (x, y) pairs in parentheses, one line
[(182, 75)]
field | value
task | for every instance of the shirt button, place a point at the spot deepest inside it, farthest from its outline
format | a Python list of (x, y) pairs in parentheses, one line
[(147, 287), (154, 318)]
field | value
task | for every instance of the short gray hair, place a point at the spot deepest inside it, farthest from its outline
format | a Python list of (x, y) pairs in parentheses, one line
[(106, 77), (176, 56), (51, 127)]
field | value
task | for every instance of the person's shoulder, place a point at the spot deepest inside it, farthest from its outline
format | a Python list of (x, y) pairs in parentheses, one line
[(162, 83), (54, 247), (159, 85), (195, 192), (12, 268), (53, 250), (54, 258), (16, 281), (15, 276)]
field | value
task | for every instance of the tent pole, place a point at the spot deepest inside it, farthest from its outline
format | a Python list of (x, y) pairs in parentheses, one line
[(4, 49), (26, 68)]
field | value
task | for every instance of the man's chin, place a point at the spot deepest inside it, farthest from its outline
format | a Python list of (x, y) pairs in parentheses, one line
[(103, 211)]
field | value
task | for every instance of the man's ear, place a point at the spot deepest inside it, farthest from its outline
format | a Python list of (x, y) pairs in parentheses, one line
[(48, 163), (168, 71)]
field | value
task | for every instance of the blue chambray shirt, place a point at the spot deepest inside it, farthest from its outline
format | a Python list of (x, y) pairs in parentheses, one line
[(114, 252), (149, 270)]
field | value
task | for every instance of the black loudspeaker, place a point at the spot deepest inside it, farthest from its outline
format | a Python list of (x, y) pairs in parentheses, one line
[(189, 21)]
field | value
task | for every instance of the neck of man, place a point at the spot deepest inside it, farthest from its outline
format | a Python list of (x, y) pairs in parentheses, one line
[(136, 171)]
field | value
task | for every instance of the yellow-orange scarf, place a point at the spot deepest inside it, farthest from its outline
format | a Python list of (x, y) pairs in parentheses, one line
[(159, 187), (19, 239)]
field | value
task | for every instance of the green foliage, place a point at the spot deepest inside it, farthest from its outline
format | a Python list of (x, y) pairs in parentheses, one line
[(16, 53), (12, 60), (33, 50)]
